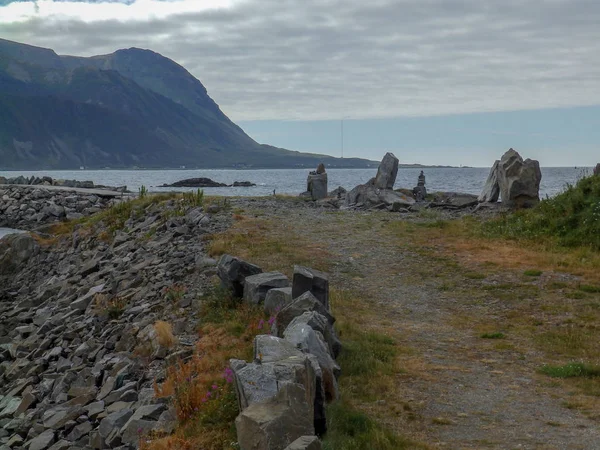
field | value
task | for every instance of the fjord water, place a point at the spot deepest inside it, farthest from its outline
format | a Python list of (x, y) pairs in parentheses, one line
[(293, 181)]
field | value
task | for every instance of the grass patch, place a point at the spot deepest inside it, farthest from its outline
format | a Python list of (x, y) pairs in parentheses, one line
[(572, 370), (571, 218), (497, 335), (589, 288), (474, 276), (350, 429), (532, 273)]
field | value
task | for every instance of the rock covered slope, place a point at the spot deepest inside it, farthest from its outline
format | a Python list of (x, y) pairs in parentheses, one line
[(78, 345), (133, 107)]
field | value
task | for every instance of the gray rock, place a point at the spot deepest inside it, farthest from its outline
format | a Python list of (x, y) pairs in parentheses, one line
[(310, 341), (491, 189), (305, 443), (316, 185), (233, 271), (306, 302), (43, 441), (257, 286), (113, 422), (276, 299), (276, 423), (15, 250), (597, 170), (310, 280), (519, 180), (387, 172)]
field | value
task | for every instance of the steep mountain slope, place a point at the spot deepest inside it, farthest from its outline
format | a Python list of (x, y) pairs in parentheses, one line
[(130, 108)]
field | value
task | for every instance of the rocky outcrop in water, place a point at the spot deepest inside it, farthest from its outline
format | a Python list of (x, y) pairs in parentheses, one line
[(516, 180), (78, 347), (206, 182)]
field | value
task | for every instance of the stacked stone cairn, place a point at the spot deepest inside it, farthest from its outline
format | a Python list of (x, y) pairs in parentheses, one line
[(420, 192), (282, 393), (514, 180)]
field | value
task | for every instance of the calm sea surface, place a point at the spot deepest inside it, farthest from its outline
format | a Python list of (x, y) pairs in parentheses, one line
[(293, 181)]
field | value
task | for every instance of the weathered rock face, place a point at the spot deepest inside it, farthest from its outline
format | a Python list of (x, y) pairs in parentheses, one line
[(491, 190), (387, 172), (367, 195), (15, 250), (519, 180), (316, 185), (277, 299), (305, 443), (516, 180)]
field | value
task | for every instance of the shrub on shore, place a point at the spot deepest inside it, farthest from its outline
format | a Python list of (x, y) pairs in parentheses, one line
[(570, 219)]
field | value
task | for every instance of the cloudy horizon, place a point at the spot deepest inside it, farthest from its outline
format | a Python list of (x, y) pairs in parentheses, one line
[(276, 65)]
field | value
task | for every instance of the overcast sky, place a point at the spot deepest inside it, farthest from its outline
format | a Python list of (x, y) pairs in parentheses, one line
[(289, 70)]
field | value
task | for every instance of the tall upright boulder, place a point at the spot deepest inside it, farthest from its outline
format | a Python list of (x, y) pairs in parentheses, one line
[(597, 170), (519, 180), (514, 180), (316, 183), (387, 172)]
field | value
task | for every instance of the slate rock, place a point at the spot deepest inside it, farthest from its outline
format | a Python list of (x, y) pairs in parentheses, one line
[(233, 271), (257, 286)]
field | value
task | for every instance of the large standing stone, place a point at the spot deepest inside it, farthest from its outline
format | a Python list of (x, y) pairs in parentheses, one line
[(276, 423), (311, 280), (597, 170), (491, 190), (233, 271), (519, 180), (316, 185), (387, 171), (257, 286)]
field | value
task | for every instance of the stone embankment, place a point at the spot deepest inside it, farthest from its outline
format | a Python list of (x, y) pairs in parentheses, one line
[(28, 207), (49, 181), (79, 349), (282, 393)]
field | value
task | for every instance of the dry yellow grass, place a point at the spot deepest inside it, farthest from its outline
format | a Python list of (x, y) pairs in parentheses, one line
[(164, 334)]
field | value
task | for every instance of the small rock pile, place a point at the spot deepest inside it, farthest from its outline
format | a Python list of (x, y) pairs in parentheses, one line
[(78, 344), (283, 391), (28, 207)]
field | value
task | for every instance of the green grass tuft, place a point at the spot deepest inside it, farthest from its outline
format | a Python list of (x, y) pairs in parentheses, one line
[(497, 335), (532, 273), (589, 289), (572, 370)]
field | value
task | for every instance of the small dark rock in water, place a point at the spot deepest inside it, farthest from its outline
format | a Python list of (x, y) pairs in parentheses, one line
[(597, 170), (243, 184), (195, 182)]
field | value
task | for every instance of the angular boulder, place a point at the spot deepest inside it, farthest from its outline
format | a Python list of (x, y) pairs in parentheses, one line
[(310, 341), (491, 190), (387, 172), (257, 286), (319, 323), (277, 299), (276, 423), (306, 302), (310, 280), (519, 180), (233, 271), (16, 250)]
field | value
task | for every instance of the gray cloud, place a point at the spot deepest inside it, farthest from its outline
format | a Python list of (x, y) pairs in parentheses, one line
[(317, 59)]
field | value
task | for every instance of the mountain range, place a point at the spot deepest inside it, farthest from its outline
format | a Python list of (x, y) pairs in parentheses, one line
[(131, 108)]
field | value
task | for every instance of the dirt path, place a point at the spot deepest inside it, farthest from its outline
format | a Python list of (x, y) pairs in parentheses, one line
[(458, 390)]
